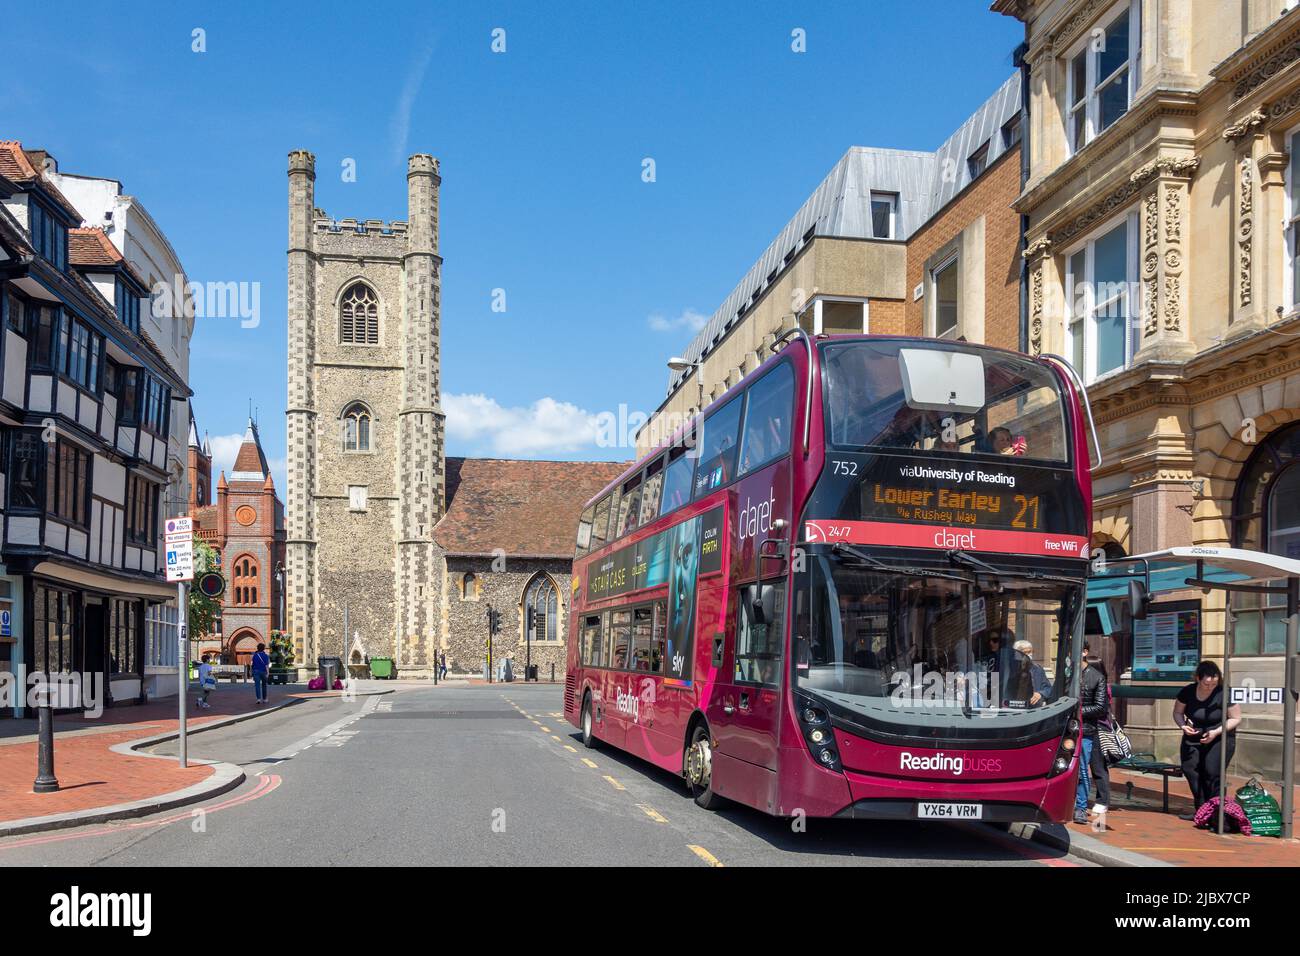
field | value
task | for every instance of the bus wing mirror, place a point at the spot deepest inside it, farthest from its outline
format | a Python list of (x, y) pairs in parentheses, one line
[(1139, 601), (763, 607)]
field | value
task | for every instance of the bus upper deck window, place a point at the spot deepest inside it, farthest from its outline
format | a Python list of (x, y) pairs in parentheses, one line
[(677, 480), (629, 507), (654, 479), (717, 450), (769, 409)]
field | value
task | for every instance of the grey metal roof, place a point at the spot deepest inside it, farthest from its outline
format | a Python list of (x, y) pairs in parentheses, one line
[(840, 207)]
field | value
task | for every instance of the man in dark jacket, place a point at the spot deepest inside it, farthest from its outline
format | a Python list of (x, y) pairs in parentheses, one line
[(1092, 763)]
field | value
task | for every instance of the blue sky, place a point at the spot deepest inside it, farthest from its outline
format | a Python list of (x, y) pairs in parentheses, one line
[(541, 149)]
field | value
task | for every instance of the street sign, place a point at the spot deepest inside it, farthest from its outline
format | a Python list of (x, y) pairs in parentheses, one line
[(178, 544), (6, 623), (211, 584)]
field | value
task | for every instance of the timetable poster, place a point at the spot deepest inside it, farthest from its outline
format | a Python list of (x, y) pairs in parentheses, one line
[(1167, 645)]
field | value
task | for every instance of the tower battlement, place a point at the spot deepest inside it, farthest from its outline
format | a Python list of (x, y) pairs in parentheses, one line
[(395, 228)]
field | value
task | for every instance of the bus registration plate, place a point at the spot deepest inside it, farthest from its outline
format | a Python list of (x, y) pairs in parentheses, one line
[(950, 811)]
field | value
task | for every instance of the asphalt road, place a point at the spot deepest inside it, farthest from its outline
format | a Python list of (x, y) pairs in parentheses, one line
[(457, 775)]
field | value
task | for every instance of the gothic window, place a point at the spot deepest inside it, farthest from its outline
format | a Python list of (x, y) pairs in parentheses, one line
[(542, 598), (356, 428), (469, 587), (359, 316), (244, 581)]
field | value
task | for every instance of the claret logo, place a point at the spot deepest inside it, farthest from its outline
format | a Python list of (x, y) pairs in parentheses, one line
[(76, 909)]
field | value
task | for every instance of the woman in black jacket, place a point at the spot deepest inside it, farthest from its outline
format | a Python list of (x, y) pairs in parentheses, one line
[(1096, 709)]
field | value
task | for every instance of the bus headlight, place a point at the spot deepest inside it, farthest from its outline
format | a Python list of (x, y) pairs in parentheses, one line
[(1067, 744), (1062, 764), (815, 723)]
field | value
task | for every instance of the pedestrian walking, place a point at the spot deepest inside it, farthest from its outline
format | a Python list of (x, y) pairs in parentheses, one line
[(207, 684), (442, 665), (1092, 763), (1198, 712), (261, 668)]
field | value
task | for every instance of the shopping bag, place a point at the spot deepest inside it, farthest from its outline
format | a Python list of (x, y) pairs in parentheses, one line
[(1261, 809), (1115, 745)]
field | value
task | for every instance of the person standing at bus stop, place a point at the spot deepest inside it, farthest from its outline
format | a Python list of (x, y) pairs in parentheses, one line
[(1092, 763), (261, 668)]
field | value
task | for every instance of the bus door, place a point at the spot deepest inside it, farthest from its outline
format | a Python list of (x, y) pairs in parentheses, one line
[(751, 698)]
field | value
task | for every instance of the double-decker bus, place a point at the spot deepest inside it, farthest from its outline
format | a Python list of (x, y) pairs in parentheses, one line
[(852, 586)]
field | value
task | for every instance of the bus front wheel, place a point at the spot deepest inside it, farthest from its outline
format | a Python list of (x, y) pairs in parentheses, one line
[(699, 769), (588, 736)]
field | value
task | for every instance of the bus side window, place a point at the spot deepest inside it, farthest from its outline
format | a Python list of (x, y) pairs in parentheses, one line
[(606, 642), (654, 479), (600, 524), (584, 531), (659, 639), (718, 448), (677, 480), (642, 638), (620, 627), (768, 411), (629, 507), (591, 637)]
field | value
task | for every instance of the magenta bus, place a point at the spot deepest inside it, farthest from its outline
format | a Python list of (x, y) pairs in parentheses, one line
[(853, 586)]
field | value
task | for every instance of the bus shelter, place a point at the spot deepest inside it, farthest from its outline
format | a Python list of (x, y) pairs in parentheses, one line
[(1232, 571)]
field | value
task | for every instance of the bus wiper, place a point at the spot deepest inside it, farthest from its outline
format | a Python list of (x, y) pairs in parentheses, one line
[(970, 561), (841, 551)]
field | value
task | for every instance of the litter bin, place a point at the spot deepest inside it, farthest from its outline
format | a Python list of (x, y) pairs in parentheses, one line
[(381, 667), (330, 668), (532, 673)]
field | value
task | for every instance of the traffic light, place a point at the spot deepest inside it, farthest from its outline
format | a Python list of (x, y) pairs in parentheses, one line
[(494, 621), (532, 619)]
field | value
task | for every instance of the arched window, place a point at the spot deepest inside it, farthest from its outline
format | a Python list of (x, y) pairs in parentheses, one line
[(359, 316), (542, 597), (244, 581), (469, 587), (356, 428), (1266, 517)]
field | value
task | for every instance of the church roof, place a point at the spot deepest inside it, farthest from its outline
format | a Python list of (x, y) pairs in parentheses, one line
[(250, 462), (522, 508)]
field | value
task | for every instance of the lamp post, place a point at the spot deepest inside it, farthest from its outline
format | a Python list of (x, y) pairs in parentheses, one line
[(679, 364)]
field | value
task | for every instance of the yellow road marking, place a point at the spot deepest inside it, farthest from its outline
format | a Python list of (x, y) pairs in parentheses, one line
[(589, 763), (545, 730), (554, 737), (704, 854), (653, 814), (614, 783), (572, 750)]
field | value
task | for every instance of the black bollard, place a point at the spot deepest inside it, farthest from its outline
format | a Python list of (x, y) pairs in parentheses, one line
[(46, 782)]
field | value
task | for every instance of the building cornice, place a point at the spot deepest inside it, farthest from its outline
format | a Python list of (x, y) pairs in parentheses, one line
[(1117, 192), (1274, 49), (1154, 104)]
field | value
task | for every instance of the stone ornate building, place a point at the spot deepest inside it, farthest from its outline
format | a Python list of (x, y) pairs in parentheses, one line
[(246, 528), (368, 479), (1161, 244)]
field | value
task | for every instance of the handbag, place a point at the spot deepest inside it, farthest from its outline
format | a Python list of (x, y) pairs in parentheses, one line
[(1115, 745)]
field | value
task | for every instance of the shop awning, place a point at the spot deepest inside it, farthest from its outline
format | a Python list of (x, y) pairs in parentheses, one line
[(123, 585)]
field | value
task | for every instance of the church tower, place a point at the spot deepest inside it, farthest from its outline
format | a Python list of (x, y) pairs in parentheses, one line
[(365, 425)]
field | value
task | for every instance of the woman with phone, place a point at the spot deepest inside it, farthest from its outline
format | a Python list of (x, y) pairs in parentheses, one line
[(1198, 712)]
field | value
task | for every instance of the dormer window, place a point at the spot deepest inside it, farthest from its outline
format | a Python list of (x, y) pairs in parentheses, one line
[(49, 236), (127, 304)]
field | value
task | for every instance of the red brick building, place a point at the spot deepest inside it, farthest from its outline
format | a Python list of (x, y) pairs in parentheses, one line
[(246, 528)]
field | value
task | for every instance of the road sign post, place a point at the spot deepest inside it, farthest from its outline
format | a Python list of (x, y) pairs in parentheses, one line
[(178, 544)]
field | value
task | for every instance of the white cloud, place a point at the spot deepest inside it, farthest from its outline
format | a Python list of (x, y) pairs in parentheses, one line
[(400, 124), (689, 320), (545, 427)]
